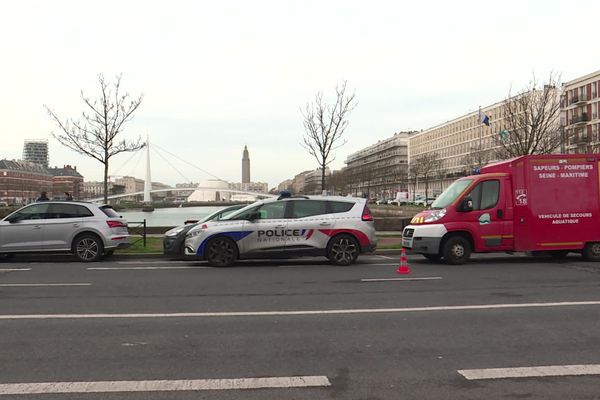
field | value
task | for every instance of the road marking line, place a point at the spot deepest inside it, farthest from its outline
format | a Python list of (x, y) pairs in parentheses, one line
[(14, 269), (42, 284), (425, 278), (164, 385), (301, 312), (530, 372), (389, 258), (140, 268), (153, 262)]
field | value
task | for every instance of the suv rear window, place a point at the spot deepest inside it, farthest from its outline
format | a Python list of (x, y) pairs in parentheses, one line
[(108, 210)]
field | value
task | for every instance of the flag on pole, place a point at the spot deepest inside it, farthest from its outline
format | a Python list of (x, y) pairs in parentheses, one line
[(484, 119)]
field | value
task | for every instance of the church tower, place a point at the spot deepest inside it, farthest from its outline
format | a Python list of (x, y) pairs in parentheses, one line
[(245, 166)]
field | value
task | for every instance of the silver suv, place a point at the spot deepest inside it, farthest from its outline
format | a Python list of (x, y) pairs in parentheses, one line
[(339, 228), (88, 230)]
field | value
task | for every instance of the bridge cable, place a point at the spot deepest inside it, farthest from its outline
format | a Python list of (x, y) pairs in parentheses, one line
[(133, 153), (172, 166), (187, 162)]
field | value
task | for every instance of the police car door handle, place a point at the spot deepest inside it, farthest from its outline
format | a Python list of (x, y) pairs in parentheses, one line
[(280, 226), (37, 227), (325, 224), (75, 225)]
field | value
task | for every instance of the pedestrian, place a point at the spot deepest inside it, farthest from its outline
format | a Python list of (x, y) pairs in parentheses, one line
[(43, 197), (68, 196)]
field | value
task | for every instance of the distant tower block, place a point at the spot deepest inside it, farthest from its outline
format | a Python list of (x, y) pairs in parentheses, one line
[(245, 166), (36, 151)]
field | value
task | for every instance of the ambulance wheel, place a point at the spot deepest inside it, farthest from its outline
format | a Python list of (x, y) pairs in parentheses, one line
[(591, 252), (432, 257), (457, 250), (221, 252), (342, 250)]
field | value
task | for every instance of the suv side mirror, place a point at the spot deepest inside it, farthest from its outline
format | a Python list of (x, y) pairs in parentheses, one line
[(466, 204)]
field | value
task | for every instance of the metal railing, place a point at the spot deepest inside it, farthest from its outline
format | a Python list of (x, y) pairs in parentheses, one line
[(138, 228)]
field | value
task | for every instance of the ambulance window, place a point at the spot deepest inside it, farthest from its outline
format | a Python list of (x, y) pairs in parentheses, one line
[(489, 194), (274, 210), (485, 195)]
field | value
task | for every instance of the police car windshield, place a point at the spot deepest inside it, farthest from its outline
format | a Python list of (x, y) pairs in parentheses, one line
[(450, 194), (239, 213)]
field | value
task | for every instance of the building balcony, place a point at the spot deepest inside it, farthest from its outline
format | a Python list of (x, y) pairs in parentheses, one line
[(578, 100), (580, 140), (579, 119)]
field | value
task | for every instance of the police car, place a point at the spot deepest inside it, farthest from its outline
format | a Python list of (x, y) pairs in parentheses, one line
[(339, 228)]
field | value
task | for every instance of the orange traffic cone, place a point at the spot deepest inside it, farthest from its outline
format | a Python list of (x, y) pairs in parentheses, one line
[(403, 268)]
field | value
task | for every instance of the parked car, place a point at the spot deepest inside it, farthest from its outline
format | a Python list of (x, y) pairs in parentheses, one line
[(90, 231), (339, 228), (174, 240), (424, 202)]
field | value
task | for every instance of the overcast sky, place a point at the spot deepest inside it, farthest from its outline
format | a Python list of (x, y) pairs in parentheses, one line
[(218, 75)]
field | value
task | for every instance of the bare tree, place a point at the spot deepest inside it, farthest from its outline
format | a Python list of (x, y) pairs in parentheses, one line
[(324, 125), (477, 157), (531, 120), (103, 119), (427, 167)]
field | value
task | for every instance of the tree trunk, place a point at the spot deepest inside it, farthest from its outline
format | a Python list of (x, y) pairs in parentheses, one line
[(106, 182), (323, 179)]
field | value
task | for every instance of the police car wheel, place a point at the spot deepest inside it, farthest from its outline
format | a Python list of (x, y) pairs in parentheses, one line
[(221, 252), (457, 250), (591, 251), (88, 247), (342, 250)]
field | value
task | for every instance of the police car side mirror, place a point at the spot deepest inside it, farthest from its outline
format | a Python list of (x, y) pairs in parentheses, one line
[(466, 205), (254, 216), (14, 218)]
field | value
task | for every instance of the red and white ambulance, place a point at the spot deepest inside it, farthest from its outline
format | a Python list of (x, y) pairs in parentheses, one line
[(541, 203)]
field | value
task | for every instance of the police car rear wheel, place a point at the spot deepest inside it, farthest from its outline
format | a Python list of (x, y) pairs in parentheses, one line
[(342, 250), (221, 252)]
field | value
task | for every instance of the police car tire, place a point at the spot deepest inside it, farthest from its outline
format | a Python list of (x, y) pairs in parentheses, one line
[(214, 249), (342, 246), (457, 250), (88, 247), (591, 251)]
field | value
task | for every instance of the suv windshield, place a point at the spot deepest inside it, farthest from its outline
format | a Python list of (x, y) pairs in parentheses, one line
[(450, 194)]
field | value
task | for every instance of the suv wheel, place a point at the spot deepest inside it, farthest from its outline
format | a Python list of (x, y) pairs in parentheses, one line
[(88, 247), (457, 250), (342, 250), (221, 252)]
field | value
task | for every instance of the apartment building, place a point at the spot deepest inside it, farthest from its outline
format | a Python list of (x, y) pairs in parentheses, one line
[(381, 169), (456, 143), (580, 109)]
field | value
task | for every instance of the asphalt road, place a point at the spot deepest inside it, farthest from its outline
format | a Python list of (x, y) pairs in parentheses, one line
[(315, 330)]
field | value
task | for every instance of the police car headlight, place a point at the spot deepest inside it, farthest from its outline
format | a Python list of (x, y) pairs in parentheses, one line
[(193, 233), (435, 216)]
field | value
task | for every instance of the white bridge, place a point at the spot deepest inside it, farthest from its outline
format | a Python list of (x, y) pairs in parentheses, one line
[(117, 196), (148, 187)]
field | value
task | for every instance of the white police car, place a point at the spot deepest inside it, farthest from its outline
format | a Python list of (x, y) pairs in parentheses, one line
[(339, 228)]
